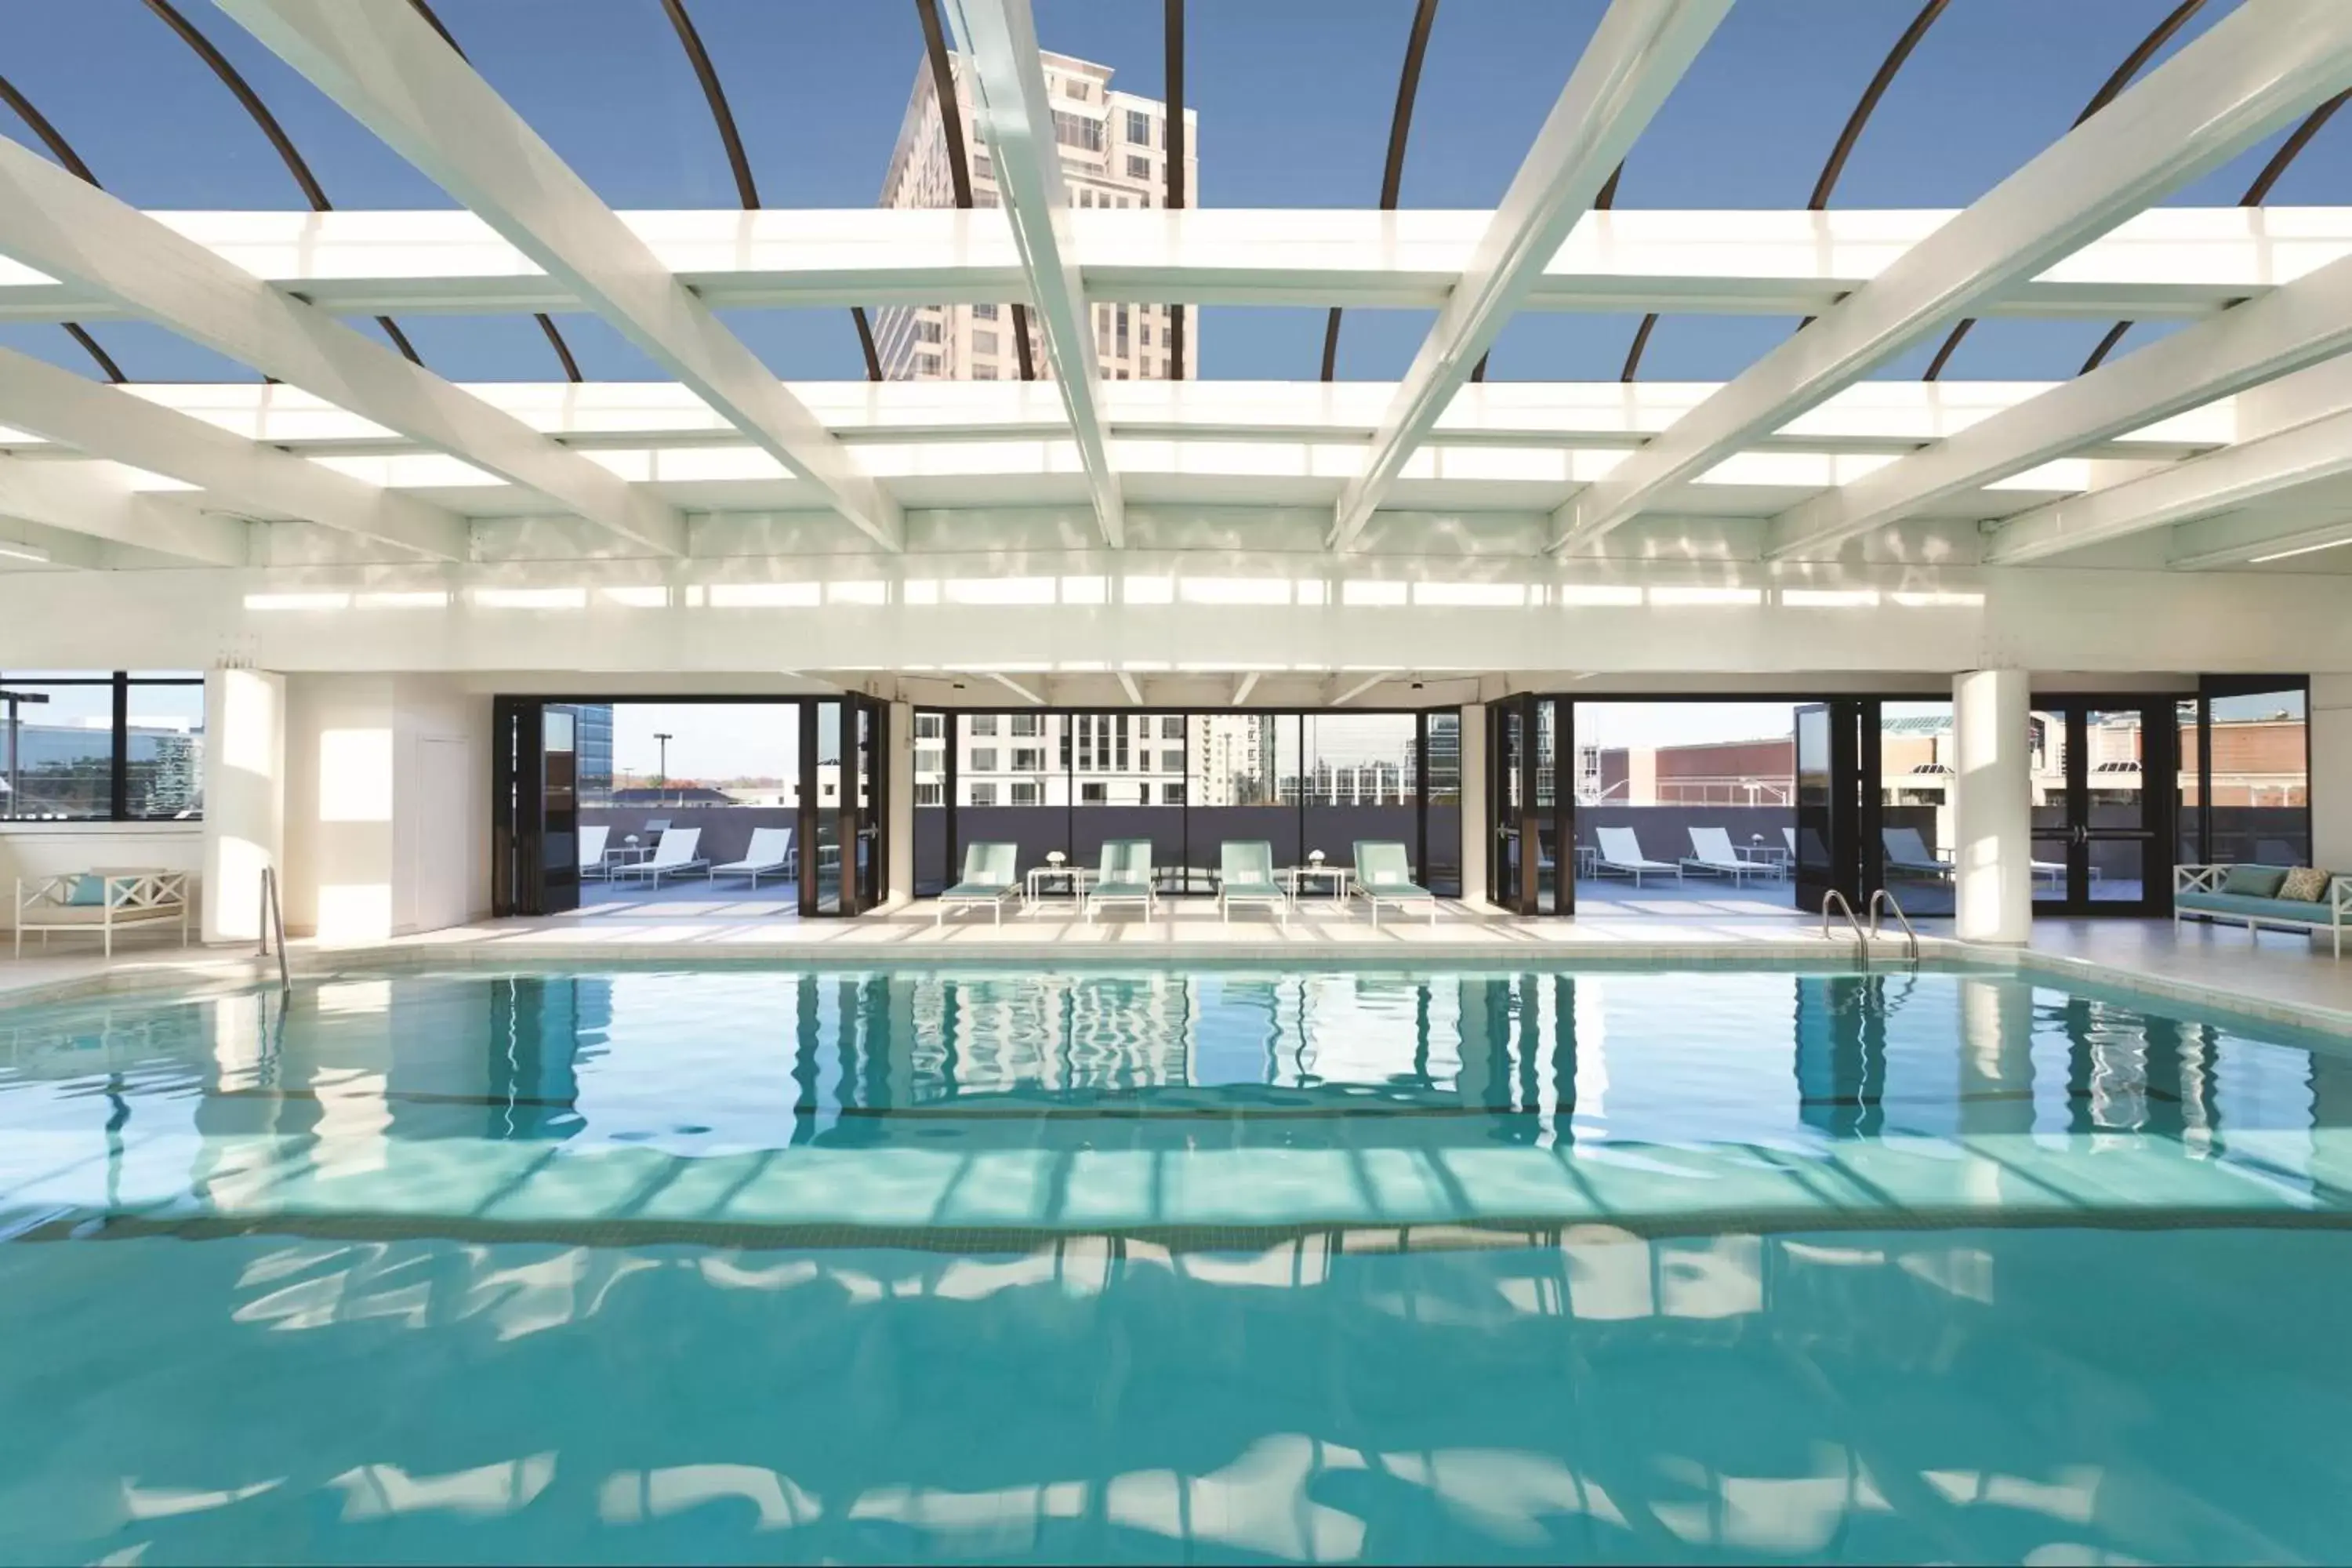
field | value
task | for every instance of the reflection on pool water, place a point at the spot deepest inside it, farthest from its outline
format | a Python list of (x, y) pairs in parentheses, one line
[(741, 1263)]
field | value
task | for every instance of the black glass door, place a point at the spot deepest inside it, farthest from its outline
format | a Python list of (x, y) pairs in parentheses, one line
[(1530, 806), (1837, 767), (535, 808), (2103, 789)]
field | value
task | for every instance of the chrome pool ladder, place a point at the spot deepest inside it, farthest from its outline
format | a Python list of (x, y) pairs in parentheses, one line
[(1910, 938), (1860, 942), (273, 919)]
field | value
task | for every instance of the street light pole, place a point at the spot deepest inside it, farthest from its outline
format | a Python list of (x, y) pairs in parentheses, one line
[(662, 737)]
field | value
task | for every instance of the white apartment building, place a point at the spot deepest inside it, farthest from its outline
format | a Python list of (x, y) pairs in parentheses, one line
[(1142, 759), (1114, 154)]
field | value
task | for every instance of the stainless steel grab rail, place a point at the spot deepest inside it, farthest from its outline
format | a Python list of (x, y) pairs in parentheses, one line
[(1861, 943), (1910, 937), (273, 918)]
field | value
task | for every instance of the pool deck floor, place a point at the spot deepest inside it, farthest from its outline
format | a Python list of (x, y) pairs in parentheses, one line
[(2280, 975)]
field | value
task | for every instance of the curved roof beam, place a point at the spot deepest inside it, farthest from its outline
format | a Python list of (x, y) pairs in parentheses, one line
[(396, 77), (288, 154), (1416, 45), (64, 154), (1635, 57), (1826, 182), (2117, 79), (2256, 71), (737, 164), (546, 322), (2256, 194), (935, 50)]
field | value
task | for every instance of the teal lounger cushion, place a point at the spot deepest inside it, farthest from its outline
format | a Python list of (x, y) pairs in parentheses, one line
[(2242, 908), (2253, 881)]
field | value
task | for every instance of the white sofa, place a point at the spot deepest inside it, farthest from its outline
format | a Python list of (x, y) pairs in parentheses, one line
[(127, 897)]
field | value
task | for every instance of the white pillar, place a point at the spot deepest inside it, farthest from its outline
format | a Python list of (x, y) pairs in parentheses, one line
[(899, 881), (245, 797), (1474, 834), (2331, 772), (1992, 814)]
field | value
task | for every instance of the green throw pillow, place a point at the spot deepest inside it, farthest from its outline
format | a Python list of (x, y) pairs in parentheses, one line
[(2304, 885), (2254, 881)]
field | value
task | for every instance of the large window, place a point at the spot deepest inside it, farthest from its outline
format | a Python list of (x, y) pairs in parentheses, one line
[(2245, 771), (98, 746)]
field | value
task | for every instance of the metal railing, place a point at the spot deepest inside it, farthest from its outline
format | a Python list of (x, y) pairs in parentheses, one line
[(1910, 938), (1860, 942), (273, 919)]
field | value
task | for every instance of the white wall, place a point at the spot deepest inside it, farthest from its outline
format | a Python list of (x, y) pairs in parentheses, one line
[(1475, 835), (2331, 772), (899, 833), (245, 797), (37, 850), (387, 822)]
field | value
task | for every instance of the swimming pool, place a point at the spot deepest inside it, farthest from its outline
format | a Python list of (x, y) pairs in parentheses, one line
[(1223, 1262)]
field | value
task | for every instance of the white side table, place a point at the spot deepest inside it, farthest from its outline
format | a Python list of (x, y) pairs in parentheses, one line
[(1073, 880), (1301, 881)]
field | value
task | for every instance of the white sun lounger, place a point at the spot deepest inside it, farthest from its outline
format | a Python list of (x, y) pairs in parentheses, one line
[(1384, 876), (1905, 851), (1245, 875), (1125, 879), (1620, 852), (592, 851), (992, 879), (1712, 855), (769, 854), (673, 857)]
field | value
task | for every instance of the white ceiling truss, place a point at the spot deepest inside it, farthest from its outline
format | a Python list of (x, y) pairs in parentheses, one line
[(2216, 447)]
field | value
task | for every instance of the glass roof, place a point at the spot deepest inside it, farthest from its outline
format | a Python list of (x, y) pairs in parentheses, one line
[(1295, 99)]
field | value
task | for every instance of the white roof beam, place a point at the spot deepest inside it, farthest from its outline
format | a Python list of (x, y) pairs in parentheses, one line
[(2252, 540), (2251, 72), (1637, 55), (2308, 320), (395, 74), (99, 502), (1243, 688), (238, 474), (67, 228), (1014, 686), (2219, 481), (2167, 262), (999, 38), (1339, 695), (1134, 692)]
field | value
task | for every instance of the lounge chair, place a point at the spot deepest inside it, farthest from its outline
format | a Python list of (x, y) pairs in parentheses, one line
[(1712, 855), (1906, 852), (673, 857), (991, 877), (1384, 876), (1620, 852), (592, 852), (1245, 875), (1126, 877), (769, 854)]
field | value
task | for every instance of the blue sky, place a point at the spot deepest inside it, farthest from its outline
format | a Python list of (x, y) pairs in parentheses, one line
[(1294, 97)]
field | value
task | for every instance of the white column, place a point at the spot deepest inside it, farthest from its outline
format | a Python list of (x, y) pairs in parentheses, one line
[(1992, 815), (2331, 772), (1474, 834), (245, 797), (899, 889)]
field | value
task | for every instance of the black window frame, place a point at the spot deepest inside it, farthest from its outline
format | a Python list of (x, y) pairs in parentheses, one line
[(122, 682)]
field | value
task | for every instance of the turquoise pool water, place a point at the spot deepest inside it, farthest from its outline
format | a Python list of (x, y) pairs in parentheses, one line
[(1221, 1265)]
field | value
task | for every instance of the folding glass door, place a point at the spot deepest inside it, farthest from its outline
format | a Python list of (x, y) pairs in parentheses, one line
[(1839, 840), (1531, 812), (534, 809)]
